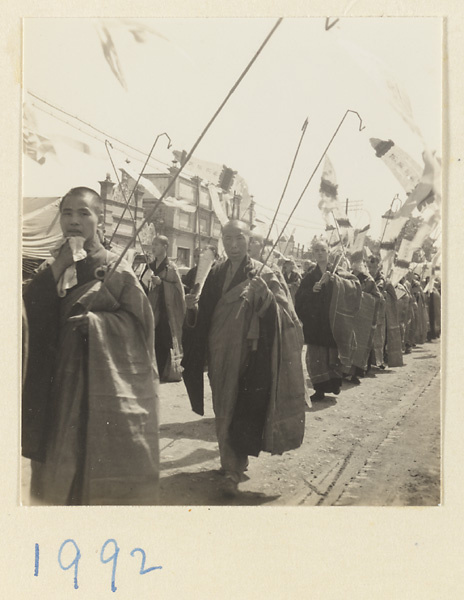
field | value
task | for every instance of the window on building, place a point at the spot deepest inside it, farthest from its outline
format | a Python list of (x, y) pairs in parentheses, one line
[(216, 228), (183, 257), (204, 198), (204, 225), (186, 191), (186, 220)]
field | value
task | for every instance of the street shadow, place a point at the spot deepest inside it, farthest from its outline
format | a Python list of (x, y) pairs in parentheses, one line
[(317, 405), (204, 489), (194, 458), (425, 357), (202, 429), (251, 499), (347, 384)]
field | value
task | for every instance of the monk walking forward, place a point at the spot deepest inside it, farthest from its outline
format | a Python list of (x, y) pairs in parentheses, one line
[(251, 340)]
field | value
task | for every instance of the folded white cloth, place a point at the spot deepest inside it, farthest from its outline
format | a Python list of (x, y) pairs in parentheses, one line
[(69, 277)]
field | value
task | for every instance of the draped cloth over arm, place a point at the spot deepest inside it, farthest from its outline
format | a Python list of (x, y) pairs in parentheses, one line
[(344, 304), (168, 304), (254, 365), (102, 443), (394, 347), (365, 323), (41, 304)]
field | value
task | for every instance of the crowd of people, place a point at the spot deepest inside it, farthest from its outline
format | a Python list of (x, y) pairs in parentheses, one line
[(98, 340)]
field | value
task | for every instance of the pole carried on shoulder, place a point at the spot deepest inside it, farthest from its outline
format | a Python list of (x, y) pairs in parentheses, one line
[(361, 127), (190, 154), (303, 132)]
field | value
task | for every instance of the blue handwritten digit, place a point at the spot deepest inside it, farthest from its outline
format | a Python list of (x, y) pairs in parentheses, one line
[(37, 556), (114, 558), (142, 568), (75, 561)]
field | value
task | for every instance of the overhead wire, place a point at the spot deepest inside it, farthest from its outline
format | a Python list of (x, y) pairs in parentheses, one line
[(87, 124)]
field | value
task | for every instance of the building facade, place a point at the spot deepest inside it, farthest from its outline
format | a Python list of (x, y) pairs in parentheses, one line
[(185, 230)]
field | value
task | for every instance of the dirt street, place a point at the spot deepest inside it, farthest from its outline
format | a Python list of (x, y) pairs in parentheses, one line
[(375, 444)]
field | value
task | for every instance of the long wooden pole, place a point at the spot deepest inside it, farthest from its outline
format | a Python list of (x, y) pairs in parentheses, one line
[(361, 127), (190, 154)]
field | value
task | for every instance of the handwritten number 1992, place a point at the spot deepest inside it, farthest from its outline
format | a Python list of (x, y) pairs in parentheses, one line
[(67, 562)]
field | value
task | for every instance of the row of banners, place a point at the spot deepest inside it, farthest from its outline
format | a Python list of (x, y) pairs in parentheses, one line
[(422, 205)]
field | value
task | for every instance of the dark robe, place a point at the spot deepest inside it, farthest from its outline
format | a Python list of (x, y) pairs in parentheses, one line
[(188, 279), (246, 428), (89, 420), (313, 310), (42, 305)]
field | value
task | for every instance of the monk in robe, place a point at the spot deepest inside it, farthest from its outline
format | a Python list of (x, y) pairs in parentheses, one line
[(387, 338), (404, 312), (257, 251), (188, 280), (434, 299), (326, 303), (292, 277), (365, 321), (244, 329), (90, 396), (422, 322), (165, 291)]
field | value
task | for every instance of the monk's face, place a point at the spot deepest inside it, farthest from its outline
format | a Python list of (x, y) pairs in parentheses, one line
[(79, 217), (321, 253), (254, 247), (235, 239), (287, 268), (372, 267), (159, 249)]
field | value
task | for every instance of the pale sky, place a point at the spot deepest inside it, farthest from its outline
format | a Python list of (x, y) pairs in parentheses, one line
[(178, 78)]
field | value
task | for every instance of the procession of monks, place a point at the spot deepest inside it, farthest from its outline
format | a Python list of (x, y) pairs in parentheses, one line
[(98, 341)]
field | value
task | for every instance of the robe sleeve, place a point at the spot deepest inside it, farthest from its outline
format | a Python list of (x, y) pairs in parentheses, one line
[(41, 303), (195, 351)]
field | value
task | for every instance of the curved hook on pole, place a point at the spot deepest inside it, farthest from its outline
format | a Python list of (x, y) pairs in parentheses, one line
[(109, 145), (138, 179), (169, 142), (303, 132), (355, 112), (334, 135)]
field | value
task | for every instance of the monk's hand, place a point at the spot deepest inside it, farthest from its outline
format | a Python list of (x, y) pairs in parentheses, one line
[(191, 301), (62, 261), (80, 323), (325, 278), (156, 280), (258, 289)]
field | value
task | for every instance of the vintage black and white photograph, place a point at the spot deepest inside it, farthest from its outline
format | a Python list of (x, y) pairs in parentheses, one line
[(231, 261)]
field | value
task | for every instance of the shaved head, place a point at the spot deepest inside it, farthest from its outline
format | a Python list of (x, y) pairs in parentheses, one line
[(94, 200), (255, 245), (235, 225), (235, 237)]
